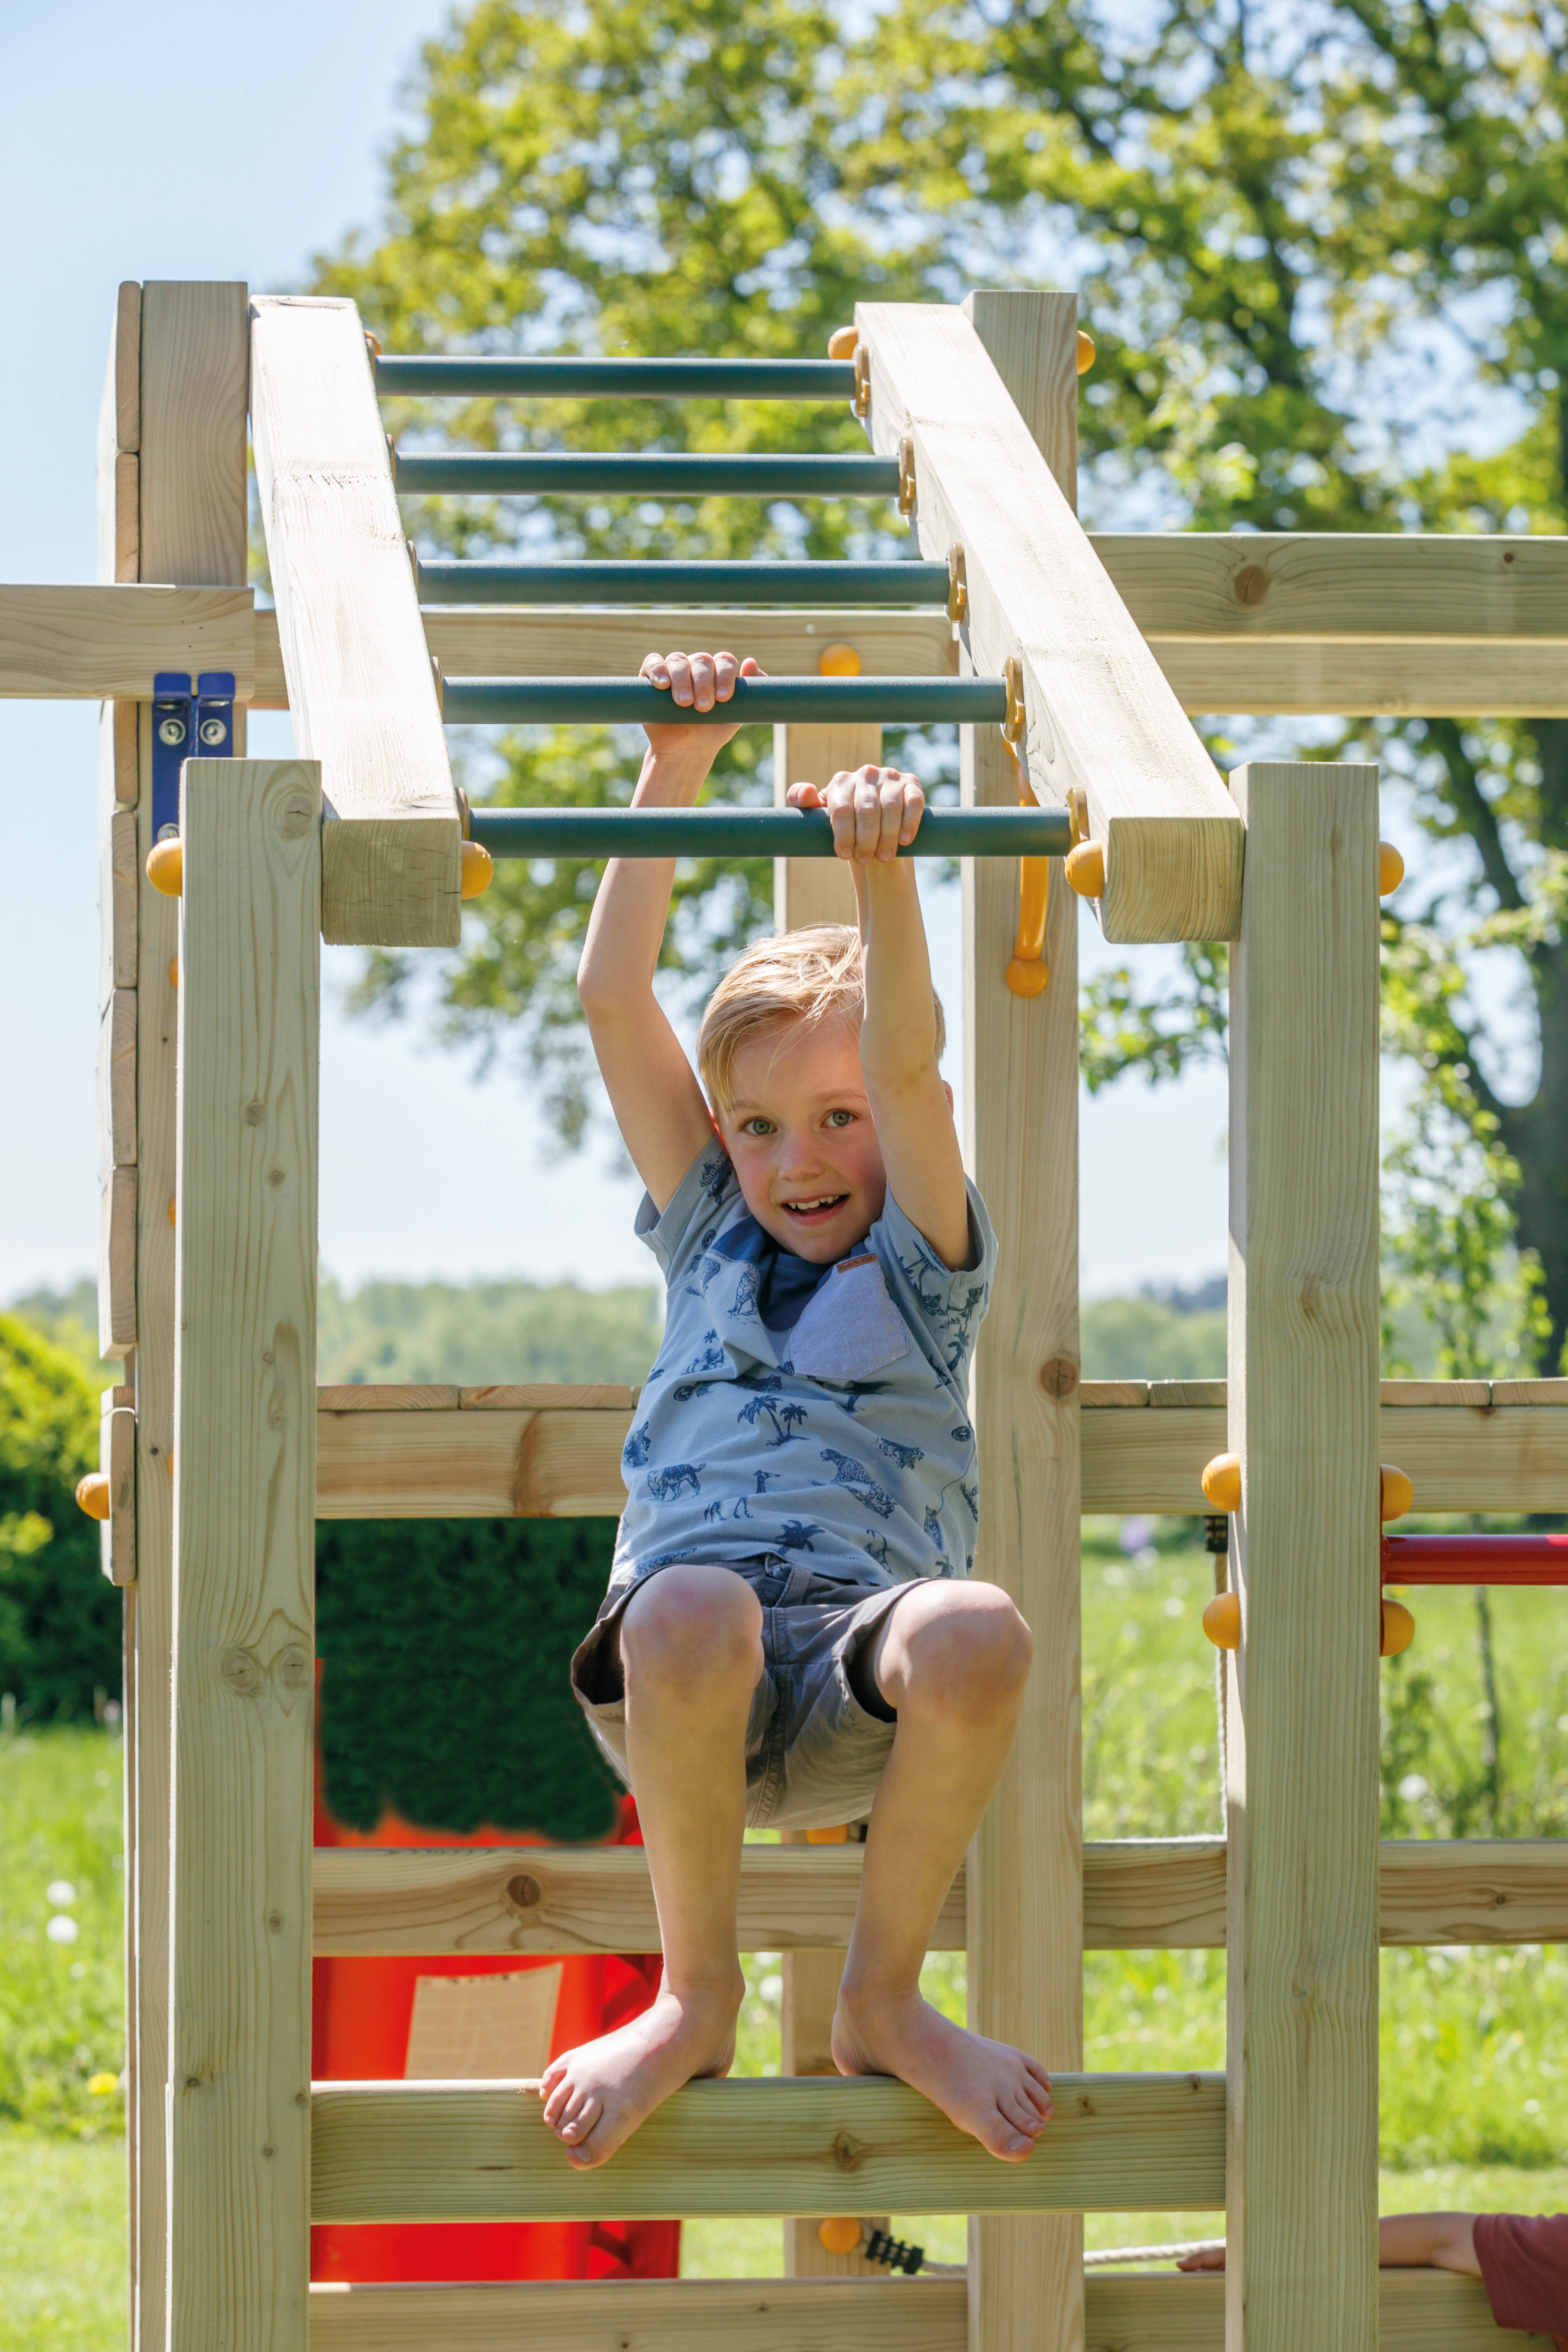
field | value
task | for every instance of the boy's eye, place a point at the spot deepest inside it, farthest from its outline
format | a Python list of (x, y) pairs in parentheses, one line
[(756, 1127), (839, 1118)]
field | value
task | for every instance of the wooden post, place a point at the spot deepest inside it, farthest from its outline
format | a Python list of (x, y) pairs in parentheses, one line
[(244, 1466), (813, 890), (1026, 1890), (1302, 1799), (182, 399)]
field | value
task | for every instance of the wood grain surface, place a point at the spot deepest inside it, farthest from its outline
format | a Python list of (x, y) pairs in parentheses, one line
[(99, 642), (361, 691), (403, 2152), (243, 1555)]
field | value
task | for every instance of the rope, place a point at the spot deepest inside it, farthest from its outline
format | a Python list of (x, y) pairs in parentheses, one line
[(1104, 2256)]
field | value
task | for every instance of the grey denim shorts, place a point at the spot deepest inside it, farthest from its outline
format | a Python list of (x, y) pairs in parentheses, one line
[(814, 1754)]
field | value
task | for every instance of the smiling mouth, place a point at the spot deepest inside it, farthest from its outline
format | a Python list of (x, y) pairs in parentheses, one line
[(822, 1205)]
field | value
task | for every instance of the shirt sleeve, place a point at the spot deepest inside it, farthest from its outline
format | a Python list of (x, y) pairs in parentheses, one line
[(945, 1305), (1524, 2266), (696, 1208)]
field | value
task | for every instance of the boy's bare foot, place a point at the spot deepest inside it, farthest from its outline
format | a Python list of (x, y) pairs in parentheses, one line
[(595, 2097), (987, 2088)]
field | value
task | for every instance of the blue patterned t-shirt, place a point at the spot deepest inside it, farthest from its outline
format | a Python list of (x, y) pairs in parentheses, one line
[(819, 1412)]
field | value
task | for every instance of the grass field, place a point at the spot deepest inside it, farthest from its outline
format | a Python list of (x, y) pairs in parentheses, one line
[(1475, 2096)]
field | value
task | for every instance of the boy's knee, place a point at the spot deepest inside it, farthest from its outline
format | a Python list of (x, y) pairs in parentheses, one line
[(691, 1626), (971, 1644)]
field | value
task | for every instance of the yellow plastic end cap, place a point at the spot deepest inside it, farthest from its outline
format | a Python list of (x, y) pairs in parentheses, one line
[(1390, 868), (479, 869), (838, 1836), (174, 972), (167, 868), (171, 1212), (1222, 1621), (841, 342), (92, 1495), (1221, 1483), (838, 661), (1395, 1495), (1086, 869), (1397, 1629), (1085, 351), (839, 2234), (1027, 975)]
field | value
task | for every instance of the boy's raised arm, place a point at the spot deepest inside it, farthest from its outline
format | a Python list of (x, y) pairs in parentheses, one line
[(873, 809), (658, 1103)]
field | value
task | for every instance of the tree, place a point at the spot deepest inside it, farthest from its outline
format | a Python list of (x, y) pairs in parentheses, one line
[(1296, 232), (60, 1621)]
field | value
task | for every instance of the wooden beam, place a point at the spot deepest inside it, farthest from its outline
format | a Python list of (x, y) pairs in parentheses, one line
[(1100, 715), (450, 2152), (97, 644), (816, 889), (193, 515), (119, 439), (434, 1466), (1020, 1061), (1165, 1894), (1418, 2311), (1303, 1708), (1434, 680), (243, 1547), (360, 685)]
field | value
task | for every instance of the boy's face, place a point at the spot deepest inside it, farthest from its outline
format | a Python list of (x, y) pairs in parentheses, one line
[(800, 1133)]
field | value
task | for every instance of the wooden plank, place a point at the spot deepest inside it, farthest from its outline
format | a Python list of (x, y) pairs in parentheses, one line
[(1154, 1894), (360, 684), (118, 437), (1417, 2311), (1302, 1709), (438, 2151), (650, 2315), (1186, 1396), (194, 508), (244, 1554), (117, 1460), (1139, 2311), (1100, 715), (1148, 1460), (193, 379), (809, 890), (355, 1396), (434, 1466), (1516, 1392), (1020, 1060), (806, 2010), (1337, 588), (1439, 678), (1405, 1393), (1482, 1459), (119, 895), (1109, 1396), (121, 404), (117, 1082), (530, 1396), (117, 1262), (96, 643)]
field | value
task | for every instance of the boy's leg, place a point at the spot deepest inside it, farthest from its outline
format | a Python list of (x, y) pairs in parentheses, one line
[(951, 1660), (691, 1654)]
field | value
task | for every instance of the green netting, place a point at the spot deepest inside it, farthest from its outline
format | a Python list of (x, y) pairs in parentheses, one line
[(444, 1694)]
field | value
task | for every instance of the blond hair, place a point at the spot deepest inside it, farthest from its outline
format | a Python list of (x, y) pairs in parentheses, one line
[(811, 975)]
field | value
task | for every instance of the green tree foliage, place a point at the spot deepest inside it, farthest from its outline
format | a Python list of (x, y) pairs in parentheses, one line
[(60, 1621), (516, 1331), (1314, 244)]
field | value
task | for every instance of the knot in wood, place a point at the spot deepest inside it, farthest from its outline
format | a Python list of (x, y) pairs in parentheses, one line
[(1251, 584), (1059, 1377), (522, 1891), (847, 2152), (254, 1113), (295, 817), (241, 1672), (294, 1666)]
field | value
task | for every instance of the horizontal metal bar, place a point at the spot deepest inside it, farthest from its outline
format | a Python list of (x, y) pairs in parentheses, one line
[(757, 833), (1476, 1559), (418, 377), (799, 701), (662, 473), (442, 582)]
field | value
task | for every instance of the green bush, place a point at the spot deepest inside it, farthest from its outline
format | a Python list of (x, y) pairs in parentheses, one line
[(60, 1621)]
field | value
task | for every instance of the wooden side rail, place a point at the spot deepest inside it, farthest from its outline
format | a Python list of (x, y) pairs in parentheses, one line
[(482, 2152), (1135, 2311), (1162, 1894), (1100, 718), (390, 1453), (360, 685)]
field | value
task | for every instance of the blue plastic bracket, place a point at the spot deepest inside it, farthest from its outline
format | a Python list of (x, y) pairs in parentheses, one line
[(186, 726)]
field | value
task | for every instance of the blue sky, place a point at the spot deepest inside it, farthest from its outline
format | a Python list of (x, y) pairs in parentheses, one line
[(185, 140)]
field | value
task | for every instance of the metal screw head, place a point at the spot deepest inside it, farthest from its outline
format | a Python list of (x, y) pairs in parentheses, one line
[(168, 832), (171, 731), (213, 731)]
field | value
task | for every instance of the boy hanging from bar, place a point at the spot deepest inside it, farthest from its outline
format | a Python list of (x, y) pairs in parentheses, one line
[(792, 1636)]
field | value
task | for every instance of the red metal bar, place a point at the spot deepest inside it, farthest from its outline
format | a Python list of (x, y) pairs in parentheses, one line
[(1475, 1559)]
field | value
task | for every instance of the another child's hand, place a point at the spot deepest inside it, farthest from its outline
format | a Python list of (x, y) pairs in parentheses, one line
[(1211, 2258), (875, 812), (695, 682)]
